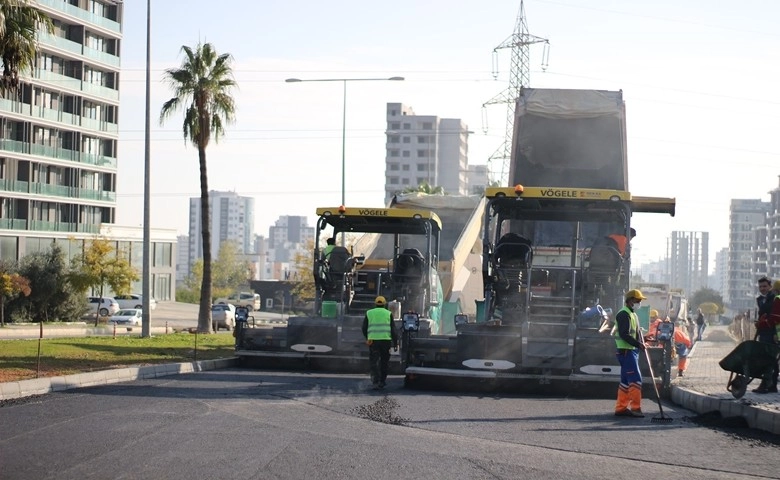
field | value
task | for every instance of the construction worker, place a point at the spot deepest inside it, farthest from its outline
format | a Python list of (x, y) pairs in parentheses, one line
[(380, 334), (652, 331), (621, 242), (331, 244), (682, 346), (629, 343)]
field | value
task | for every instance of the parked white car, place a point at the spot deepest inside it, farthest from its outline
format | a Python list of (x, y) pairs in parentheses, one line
[(127, 316), (134, 300), (223, 315), (108, 306)]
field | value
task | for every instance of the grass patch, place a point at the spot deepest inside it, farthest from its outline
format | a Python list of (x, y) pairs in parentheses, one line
[(65, 356)]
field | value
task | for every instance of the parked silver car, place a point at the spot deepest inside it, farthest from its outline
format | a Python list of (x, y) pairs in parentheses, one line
[(134, 300)]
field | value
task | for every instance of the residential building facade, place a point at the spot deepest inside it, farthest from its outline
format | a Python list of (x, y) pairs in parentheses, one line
[(424, 149), (59, 131), (746, 215)]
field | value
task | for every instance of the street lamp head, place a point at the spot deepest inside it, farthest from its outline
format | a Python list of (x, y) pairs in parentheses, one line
[(398, 79), (293, 80)]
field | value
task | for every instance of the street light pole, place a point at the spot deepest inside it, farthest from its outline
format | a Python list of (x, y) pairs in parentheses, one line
[(343, 124), (146, 289)]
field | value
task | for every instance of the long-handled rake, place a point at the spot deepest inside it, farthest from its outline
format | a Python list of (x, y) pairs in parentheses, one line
[(663, 418)]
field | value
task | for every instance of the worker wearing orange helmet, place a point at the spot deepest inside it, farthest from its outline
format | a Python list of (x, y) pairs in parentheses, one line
[(380, 334), (629, 343)]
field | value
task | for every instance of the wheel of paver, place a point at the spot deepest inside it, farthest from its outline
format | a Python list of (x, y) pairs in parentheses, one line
[(103, 312)]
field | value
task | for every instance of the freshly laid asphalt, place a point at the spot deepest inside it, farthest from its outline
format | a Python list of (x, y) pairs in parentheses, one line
[(701, 390)]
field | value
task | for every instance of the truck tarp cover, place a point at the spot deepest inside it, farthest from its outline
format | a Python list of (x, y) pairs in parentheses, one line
[(569, 138)]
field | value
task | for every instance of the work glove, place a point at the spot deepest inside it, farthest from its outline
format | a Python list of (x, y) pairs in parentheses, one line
[(395, 348)]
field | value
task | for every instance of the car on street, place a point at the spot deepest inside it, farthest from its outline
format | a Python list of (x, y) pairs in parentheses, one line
[(127, 316), (108, 305), (134, 300), (223, 315)]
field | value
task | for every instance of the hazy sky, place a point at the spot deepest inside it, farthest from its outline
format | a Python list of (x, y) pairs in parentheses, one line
[(699, 79)]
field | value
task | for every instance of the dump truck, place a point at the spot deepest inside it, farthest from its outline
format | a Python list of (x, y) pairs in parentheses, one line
[(396, 256), (553, 279)]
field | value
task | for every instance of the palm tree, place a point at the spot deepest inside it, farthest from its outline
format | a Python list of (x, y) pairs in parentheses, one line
[(19, 23), (202, 88)]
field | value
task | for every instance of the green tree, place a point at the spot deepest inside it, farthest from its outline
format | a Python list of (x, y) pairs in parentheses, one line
[(102, 265), (19, 25), (202, 87), (12, 285), (303, 262), (52, 296), (424, 187), (707, 295), (229, 272)]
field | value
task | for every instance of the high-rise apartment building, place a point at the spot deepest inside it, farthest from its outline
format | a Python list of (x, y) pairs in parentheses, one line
[(688, 261), (773, 234), (746, 215), (59, 132), (232, 220), (424, 149), (288, 235)]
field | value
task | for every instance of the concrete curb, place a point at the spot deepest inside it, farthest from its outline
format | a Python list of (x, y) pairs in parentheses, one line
[(39, 386)]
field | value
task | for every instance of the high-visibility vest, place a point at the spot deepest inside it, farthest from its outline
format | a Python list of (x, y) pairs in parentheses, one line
[(380, 324), (633, 326)]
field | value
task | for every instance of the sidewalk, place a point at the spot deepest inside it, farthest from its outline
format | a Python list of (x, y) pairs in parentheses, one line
[(703, 388)]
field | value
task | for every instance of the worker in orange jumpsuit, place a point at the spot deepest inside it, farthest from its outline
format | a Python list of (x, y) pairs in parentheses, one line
[(652, 331), (682, 345), (621, 242)]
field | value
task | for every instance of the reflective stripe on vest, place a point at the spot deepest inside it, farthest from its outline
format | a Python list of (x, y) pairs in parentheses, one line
[(633, 323), (379, 324)]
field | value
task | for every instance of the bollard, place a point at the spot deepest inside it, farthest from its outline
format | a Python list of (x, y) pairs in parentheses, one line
[(115, 331), (40, 337), (166, 327)]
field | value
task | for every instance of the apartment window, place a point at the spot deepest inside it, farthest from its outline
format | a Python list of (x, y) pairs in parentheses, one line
[(420, 153), (427, 126), (404, 181), (405, 167), (393, 112), (393, 167), (395, 125), (407, 140), (394, 153), (421, 180), (422, 139), (393, 139), (392, 180), (407, 126), (422, 167), (406, 154)]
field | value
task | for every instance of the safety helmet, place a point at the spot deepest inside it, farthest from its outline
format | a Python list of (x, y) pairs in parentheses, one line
[(635, 294), (380, 301), (776, 285), (654, 313)]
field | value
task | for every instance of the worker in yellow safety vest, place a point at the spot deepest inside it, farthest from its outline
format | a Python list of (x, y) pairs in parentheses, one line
[(380, 335), (629, 343)]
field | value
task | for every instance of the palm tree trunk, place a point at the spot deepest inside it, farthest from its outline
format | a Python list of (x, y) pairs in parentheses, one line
[(204, 312)]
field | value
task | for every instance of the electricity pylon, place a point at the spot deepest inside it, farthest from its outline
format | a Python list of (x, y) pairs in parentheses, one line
[(519, 76)]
